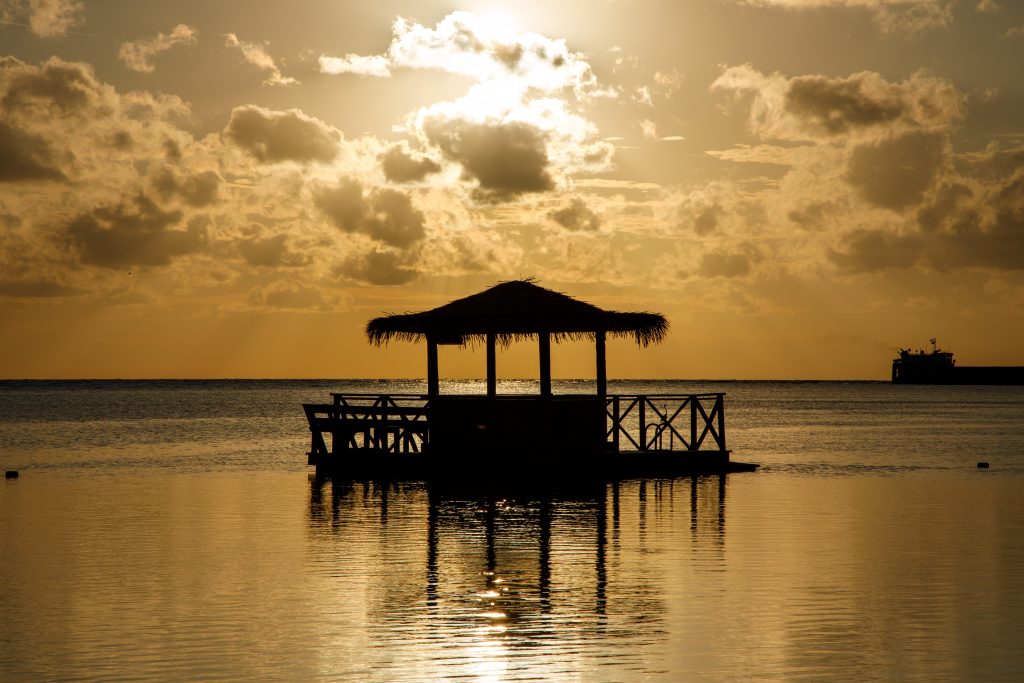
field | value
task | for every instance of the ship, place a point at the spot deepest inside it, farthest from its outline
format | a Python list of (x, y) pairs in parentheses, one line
[(938, 367)]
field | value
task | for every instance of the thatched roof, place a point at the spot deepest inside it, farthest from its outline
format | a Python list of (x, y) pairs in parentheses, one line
[(513, 311)]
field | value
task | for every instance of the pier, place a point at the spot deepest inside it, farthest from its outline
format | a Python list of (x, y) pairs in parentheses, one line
[(601, 435)]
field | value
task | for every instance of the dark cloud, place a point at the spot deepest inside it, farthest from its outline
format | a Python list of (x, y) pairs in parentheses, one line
[(53, 86), (270, 251), (195, 189), (133, 233), (287, 295), (506, 160), (508, 54), (576, 216), (719, 264), (34, 289), (947, 201), (400, 166), (862, 105), (122, 140), (378, 267), (24, 156), (706, 220), (274, 136), (876, 250), (812, 215), (958, 229), (172, 150), (837, 105), (895, 174), (385, 215)]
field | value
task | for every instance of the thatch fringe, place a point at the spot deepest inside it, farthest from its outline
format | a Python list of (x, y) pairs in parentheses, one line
[(515, 311)]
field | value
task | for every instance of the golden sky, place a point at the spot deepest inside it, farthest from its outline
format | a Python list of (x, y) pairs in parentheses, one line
[(231, 189)]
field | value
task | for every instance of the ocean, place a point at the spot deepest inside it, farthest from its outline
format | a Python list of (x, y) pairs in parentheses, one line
[(171, 530)]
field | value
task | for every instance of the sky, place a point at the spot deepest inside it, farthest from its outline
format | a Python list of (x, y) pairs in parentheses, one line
[(232, 189)]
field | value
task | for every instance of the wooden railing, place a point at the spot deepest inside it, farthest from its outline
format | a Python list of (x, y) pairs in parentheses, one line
[(400, 423), (388, 423), (666, 422)]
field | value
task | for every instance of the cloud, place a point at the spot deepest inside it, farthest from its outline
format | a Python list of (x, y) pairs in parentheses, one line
[(522, 96), (505, 160), (896, 173), (719, 264), (703, 211), (891, 16), (706, 220), (648, 129), (375, 65), (46, 18), (385, 215), (576, 216), (483, 48), (55, 86), (378, 267), (195, 189), (58, 122), (812, 216), (758, 154), (863, 105), (24, 156), (137, 54), (401, 166), (271, 252), (275, 136), (288, 295), (135, 233), (972, 221), (34, 289), (257, 55)]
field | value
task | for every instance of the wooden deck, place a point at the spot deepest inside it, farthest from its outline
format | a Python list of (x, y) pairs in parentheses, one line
[(411, 436)]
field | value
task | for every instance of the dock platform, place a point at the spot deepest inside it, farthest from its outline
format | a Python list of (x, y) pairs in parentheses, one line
[(419, 437)]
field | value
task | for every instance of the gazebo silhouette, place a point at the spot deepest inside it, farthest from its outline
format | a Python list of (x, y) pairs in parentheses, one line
[(420, 436)]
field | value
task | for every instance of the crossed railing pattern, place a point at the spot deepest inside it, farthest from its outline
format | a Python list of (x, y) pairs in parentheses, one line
[(666, 422), (399, 423), (388, 423)]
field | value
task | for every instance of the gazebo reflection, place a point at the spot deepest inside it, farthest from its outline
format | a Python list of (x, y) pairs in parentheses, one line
[(528, 565)]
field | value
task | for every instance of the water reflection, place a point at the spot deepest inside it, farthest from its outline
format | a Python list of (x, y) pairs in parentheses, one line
[(511, 580)]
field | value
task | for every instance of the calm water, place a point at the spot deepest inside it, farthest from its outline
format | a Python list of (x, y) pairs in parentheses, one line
[(170, 530)]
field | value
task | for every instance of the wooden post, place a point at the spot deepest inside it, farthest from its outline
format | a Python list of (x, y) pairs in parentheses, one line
[(693, 422), (615, 426), (602, 371), (433, 383), (720, 400), (544, 340), (642, 404), (492, 366)]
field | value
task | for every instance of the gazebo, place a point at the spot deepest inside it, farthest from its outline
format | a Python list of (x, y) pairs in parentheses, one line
[(596, 434), (511, 312)]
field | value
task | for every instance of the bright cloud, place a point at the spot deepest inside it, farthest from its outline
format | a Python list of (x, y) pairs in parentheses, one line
[(257, 55), (375, 65), (516, 130), (137, 54)]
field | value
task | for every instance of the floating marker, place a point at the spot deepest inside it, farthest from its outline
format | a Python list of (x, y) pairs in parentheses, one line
[(11, 474)]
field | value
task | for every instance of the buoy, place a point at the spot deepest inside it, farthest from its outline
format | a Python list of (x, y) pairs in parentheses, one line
[(11, 474), (983, 465)]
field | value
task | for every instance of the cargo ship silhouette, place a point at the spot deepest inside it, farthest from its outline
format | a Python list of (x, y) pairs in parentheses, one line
[(938, 367)]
